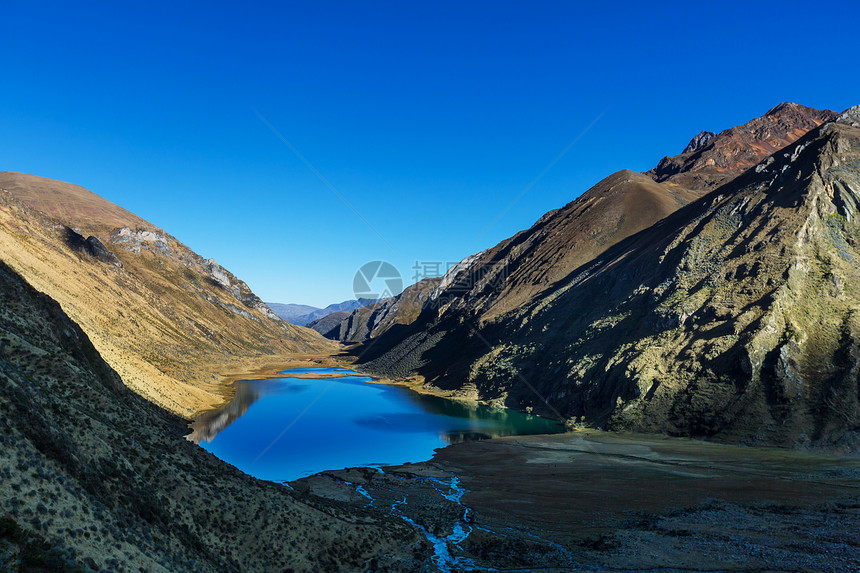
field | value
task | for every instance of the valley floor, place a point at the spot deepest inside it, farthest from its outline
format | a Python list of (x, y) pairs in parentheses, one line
[(610, 502)]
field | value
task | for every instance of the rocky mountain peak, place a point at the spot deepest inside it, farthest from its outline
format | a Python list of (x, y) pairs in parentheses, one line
[(699, 141), (785, 106), (850, 116), (712, 160)]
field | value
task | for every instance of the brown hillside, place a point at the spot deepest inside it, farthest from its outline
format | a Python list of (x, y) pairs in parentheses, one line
[(169, 321), (519, 269), (69, 203)]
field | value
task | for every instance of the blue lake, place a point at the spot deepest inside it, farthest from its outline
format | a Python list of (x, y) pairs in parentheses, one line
[(285, 428)]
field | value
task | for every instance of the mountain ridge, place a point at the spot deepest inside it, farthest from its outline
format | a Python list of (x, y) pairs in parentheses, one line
[(518, 269), (709, 156), (374, 319), (302, 314), (593, 350)]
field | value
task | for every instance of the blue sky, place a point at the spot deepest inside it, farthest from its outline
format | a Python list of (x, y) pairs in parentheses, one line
[(428, 118)]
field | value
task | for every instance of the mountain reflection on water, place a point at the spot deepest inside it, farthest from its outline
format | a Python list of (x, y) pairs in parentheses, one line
[(285, 428), (208, 424)]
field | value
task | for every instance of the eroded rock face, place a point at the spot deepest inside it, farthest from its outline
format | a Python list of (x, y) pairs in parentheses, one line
[(226, 280), (850, 116), (134, 240), (699, 142)]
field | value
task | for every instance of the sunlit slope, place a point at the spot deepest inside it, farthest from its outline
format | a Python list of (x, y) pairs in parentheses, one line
[(170, 322)]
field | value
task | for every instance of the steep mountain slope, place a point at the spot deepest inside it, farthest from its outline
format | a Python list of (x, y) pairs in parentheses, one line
[(517, 270), (167, 320), (710, 159), (330, 325), (734, 317), (373, 320), (95, 478)]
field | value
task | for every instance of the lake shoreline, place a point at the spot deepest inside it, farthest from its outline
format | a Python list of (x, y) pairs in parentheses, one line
[(294, 422), (274, 367), (596, 500)]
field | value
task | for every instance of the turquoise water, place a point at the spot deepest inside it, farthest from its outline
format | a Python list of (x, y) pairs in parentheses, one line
[(285, 428)]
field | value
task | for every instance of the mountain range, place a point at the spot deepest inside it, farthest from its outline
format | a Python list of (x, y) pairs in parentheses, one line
[(302, 314), (714, 296), (371, 319)]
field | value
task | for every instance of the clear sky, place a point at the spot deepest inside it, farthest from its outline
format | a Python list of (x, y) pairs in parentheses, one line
[(427, 119)]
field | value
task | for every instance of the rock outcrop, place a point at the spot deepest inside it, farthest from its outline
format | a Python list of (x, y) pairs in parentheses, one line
[(699, 142), (91, 246)]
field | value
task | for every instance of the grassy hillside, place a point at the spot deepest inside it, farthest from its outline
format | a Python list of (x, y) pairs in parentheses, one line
[(96, 478), (170, 322)]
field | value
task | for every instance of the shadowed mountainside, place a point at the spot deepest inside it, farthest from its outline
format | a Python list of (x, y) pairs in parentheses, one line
[(733, 317), (373, 320), (96, 478), (519, 269), (170, 322)]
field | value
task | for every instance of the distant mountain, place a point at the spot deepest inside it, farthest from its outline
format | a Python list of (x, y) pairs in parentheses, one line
[(292, 313), (167, 320), (731, 314), (301, 315)]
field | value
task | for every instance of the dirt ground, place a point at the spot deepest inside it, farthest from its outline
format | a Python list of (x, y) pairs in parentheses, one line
[(608, 502)]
